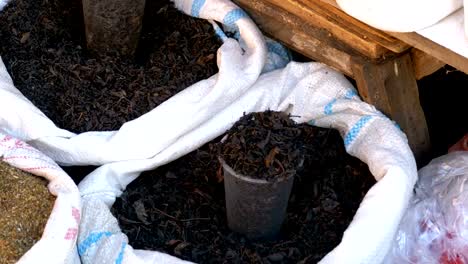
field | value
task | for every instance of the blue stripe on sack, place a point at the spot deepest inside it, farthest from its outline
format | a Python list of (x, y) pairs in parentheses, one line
[(311, 122), (232, 16), (354, 131), (350, 94), (277, 48), (121, 254), (92, 239), (237, 34), (328, 110), (196, 7), (219, 32)]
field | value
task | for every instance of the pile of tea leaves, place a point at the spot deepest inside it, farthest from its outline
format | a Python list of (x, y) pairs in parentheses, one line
[(264, 146), (179, 208), (44, 49), (26, 204)]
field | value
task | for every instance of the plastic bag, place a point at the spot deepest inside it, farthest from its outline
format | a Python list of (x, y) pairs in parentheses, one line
[(435, 226), (58, 242)]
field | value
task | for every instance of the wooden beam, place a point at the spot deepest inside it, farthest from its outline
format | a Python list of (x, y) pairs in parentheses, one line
[(424, 64), (437, 51), (391, 87), (366, 40), (297, 35), (434, 56), (331, 2)]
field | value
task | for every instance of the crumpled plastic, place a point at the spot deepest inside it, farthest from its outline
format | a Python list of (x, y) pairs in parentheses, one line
[(435, 226)]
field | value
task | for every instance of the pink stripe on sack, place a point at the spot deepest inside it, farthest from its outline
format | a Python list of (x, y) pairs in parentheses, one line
[(28, 158), (7, 146), (38, 168), (15, 157), (71, 233), (76, 214), (17, 143), (6, 138), (20, 144)]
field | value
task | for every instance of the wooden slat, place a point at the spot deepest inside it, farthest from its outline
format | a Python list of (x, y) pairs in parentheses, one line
[(313, 15), (297, 35), (444, 55), (370, 49), (439, 52), (364, 30), (331, 2), (424, 64), (367, 40)]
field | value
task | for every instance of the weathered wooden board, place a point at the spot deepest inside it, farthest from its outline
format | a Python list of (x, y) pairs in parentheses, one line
[(298, 36), (372, 43), (444, 55), (437, 51), (424, 64)]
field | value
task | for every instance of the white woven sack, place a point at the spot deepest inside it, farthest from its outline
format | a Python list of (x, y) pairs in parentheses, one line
[(3, 3), (200, 113), (400, 15), (58, 242)]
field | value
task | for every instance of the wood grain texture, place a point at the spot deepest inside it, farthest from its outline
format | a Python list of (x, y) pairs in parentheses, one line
[(297, 35), (391, 87), (437, 51), (359, 36), (444, 55), (424, 64)]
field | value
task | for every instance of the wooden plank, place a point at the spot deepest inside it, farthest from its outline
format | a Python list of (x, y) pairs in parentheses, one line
[(331, 2), (297, 35), (314, 15), (424, 64), (364, 30), (358, 47), (368, 41), (437, 51), (432, 49), (391, 87)]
